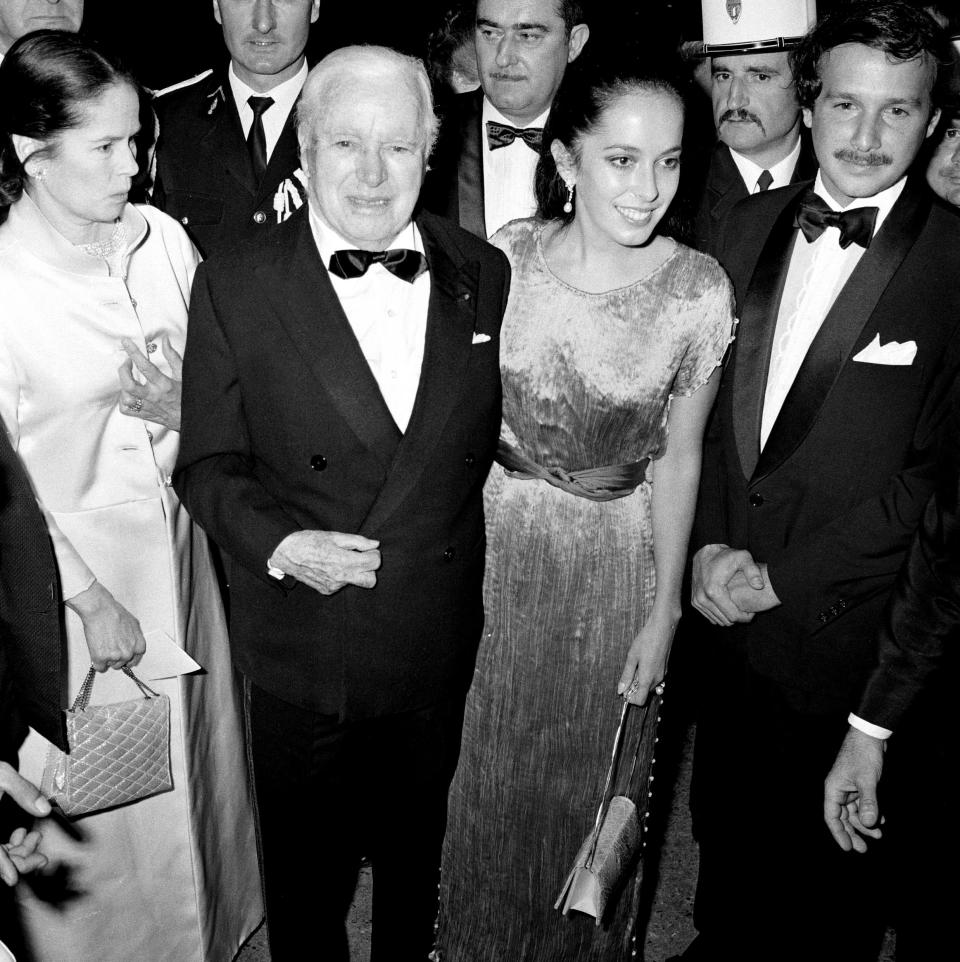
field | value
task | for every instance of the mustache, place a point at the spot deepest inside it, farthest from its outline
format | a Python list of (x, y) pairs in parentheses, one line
[(741, 115), (872, 159)]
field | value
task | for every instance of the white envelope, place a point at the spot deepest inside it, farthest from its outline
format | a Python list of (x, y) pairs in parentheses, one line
[(164, 658), (893, 352), (481, 338)]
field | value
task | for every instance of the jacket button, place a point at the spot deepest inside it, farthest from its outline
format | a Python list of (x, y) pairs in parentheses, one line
[(824, 617), (184, 220), (448, 554), (259, 217), (470, 460), (318, 462), (756, 500)]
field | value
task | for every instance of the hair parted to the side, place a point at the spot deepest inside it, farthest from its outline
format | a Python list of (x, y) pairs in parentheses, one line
[(589, 86), (900, 30), (572, 11), (314, 100), (45, 79)]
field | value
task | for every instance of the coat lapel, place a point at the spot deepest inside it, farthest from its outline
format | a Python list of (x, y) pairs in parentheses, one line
[(299, 288), (470, 171), (284, 160), (224, 141), (843, 326), (451, 320), (758, 324)]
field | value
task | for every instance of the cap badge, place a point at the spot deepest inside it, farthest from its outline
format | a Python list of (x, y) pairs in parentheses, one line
[(734, 9)]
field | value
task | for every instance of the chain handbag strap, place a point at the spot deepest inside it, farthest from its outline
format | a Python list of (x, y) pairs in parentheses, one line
[(82, 701)]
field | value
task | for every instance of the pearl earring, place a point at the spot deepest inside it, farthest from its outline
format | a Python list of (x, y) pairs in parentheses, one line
[(568, 206)]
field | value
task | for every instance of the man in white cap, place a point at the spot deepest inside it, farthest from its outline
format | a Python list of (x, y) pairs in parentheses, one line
[(755, 107)]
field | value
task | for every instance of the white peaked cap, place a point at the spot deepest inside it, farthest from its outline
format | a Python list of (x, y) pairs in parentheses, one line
[(739, 26)]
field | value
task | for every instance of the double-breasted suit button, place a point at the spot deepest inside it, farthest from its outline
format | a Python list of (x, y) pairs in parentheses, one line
[(470, 460), (756, 500), (448, 555), (318, 462), (259, 217)]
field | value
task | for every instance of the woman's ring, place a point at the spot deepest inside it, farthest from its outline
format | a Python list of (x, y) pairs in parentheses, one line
[(660, 689), (137, 405)]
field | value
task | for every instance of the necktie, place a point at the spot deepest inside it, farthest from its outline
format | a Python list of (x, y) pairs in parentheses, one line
[(764, 181), (503, 135), (406, 264), (856, 225), (257, 139)]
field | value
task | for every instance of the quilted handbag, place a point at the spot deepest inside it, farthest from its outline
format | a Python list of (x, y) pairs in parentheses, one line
[(608, 853), (119, 753)]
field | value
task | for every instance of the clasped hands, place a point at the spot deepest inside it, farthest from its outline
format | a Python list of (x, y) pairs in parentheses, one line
[(328, 560), (728, 586)]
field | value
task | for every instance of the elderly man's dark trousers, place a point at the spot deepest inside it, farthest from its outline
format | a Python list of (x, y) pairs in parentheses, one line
[(331, 792)]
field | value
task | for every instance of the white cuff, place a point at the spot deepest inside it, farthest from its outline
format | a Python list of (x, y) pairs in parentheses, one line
[(275, 572), (874, 731)]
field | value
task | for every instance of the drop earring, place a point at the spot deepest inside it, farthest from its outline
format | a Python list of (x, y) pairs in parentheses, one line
[(568, 206)]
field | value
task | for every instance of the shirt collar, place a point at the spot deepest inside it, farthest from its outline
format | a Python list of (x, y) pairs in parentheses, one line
[(328, 240), (489, 112), (884, 201), (284, 94), (781, 172)]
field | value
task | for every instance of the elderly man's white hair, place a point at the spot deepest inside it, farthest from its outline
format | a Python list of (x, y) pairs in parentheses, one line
[(336, 67)]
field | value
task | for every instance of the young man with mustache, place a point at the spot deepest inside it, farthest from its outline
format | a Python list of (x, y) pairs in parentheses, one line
[(755, 108), (815, 476)]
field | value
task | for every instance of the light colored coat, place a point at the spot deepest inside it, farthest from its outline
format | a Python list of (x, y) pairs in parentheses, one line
[(173, 877)]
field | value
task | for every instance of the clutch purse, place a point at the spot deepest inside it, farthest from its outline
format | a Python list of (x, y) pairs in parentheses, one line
[(119, 753), (609, 851)]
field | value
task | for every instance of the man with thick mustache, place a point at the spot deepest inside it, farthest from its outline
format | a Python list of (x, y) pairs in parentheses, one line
[(482, 170), (227, 160), (755, 108), (815, 476)]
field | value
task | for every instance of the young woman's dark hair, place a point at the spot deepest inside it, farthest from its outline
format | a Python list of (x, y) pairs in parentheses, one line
[(591, 85), (46, 78), (901, 31)]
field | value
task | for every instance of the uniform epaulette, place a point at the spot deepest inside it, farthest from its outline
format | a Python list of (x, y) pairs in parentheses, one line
[(183, 83)]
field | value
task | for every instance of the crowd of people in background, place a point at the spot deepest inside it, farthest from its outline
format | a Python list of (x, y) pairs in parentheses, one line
[(422, 405)]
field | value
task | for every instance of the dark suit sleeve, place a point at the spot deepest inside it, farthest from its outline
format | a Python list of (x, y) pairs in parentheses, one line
[(215, 475), (923, 617)]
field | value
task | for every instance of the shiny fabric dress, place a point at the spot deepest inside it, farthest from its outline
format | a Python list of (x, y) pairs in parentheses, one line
[(587, 382), (172, 878)]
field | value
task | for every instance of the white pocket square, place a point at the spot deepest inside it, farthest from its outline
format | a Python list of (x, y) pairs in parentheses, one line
[(480, 338), (893, 352)]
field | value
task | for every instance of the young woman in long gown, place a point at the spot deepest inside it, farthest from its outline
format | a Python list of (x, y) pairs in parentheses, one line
[(610, 351)]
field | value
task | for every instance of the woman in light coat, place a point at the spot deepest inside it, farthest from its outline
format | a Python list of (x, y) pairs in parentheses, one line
[(92, 323)]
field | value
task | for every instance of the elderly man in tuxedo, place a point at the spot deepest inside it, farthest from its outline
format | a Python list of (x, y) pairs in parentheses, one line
[(482, 172), (816, 473), (341, 408), (227, 165)]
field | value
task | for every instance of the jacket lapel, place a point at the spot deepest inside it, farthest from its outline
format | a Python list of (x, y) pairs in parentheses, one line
[(843, 326), (284, 160), (224, 141), (451, 320), (758, 324), (299, 288), (470, 171)]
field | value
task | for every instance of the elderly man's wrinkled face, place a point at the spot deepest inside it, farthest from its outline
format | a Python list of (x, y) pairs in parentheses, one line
[(367, 155), (266, 38), (943, 172), (18, 17)]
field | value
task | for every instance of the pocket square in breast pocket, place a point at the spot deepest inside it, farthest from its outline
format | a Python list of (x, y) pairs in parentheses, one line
[(480, 338), (892, 353)]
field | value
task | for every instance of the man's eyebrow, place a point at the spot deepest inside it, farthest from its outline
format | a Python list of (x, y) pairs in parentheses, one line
[(483, 22)]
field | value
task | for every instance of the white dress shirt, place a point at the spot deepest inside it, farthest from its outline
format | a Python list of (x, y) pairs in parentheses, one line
[(284, 96), (782, 172), (388, 317), (507, 173)]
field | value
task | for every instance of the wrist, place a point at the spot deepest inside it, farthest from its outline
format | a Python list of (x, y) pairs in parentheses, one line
[(89, 601)]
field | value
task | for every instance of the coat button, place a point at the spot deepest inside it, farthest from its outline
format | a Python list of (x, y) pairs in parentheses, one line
[(259, 217), (151, 347), (184, 220), (470, 460), (318, 462), (756, 500), (448, 554)]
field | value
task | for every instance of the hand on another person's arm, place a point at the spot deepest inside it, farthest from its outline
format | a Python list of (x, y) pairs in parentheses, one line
[(113, 635), (328, 560), (157, 399), (21, 854)]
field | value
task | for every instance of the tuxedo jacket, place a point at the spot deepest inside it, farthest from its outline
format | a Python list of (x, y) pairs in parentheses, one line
[(836, 494), (724, 189), (454, 185), (204, 176), (31, 641), (284, 428)]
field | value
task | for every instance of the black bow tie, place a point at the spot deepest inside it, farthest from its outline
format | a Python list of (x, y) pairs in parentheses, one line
[(503, 135), (406, 264), (856, 225)]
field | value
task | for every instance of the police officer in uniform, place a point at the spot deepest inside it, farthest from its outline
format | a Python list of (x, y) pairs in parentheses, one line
[(227, 160)]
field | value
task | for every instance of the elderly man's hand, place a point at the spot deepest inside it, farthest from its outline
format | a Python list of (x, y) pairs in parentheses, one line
[(715, 566), (328, 560), (850, 806), (21, 854)]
